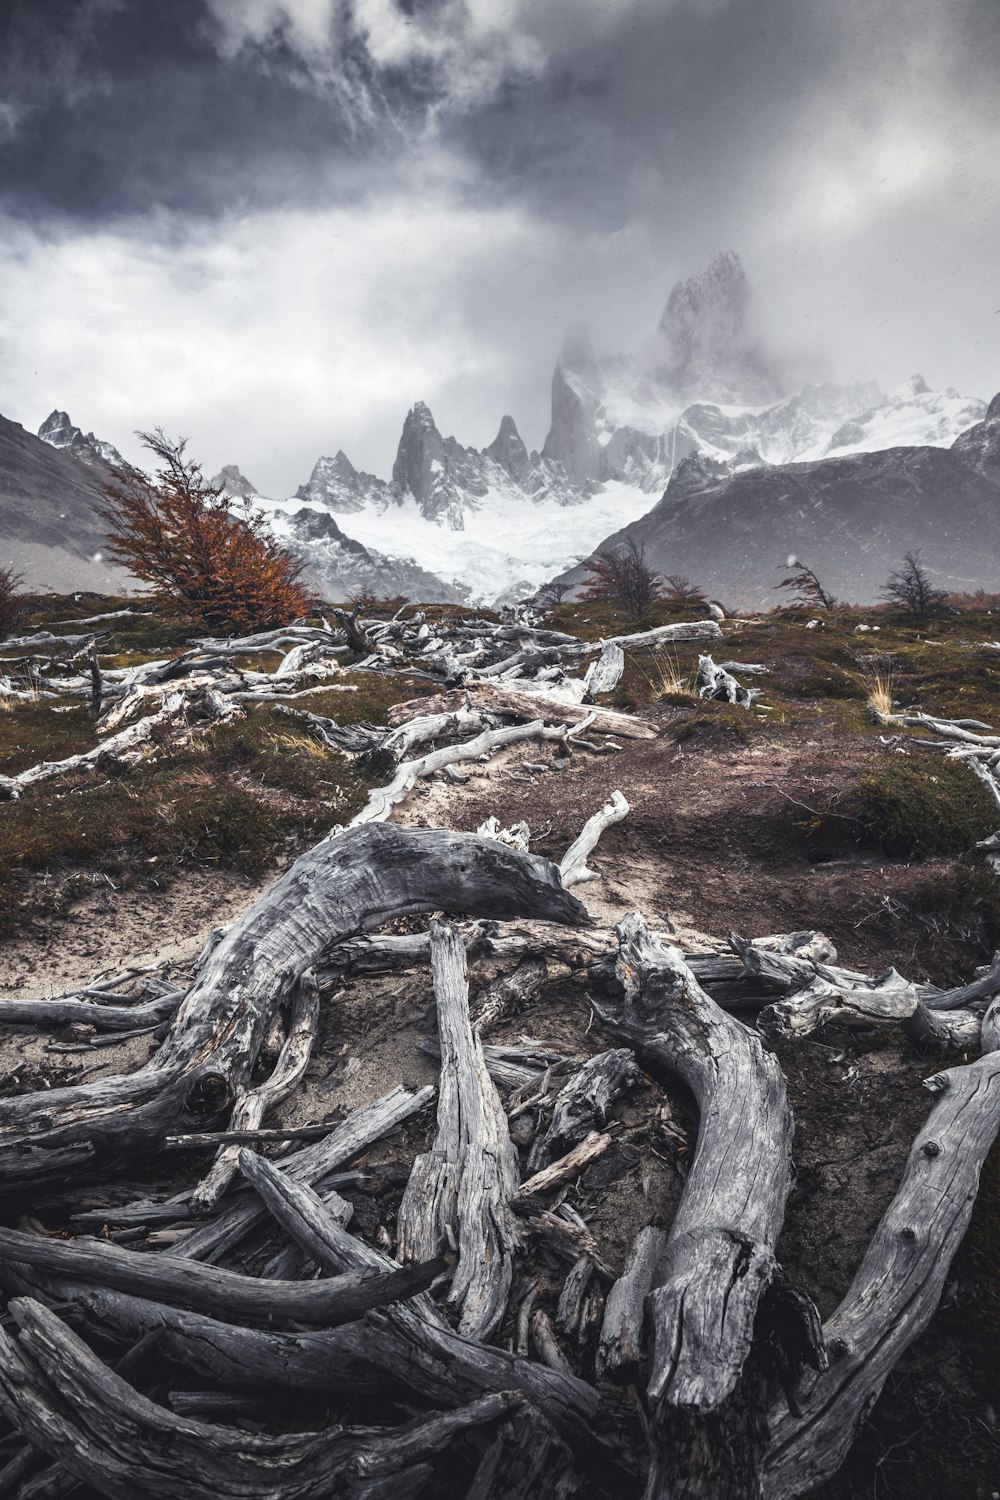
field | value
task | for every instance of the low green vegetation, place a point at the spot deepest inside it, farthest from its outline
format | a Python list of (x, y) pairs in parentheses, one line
[(922, 805), (239, 796)]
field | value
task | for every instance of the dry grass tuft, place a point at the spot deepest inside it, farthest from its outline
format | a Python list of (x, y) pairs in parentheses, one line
[(879, 686), (664, 675)]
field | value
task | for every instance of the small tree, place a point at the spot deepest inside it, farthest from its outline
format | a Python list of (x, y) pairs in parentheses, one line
[(910, 588), (681, 590), (198, 547), (550, 594), (809, 592), (12, 603), (622, 576)]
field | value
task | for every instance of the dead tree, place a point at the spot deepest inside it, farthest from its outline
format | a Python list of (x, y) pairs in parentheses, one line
[(706, 1394), (345, 885), (462, 1189)]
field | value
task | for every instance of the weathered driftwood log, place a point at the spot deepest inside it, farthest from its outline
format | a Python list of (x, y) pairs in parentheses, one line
[(250, 1110), (346, 885), (178, 1281), (817, 993), (719, 684), (526, 1461), (352, 739), (584, 1101), (573, 865), (518, 835), (621, 1350), (314, 1165), (69, 1404), (684, 630), (65, 1011), (593, 1145), (130, 744), (462, 1189), (571, 1298), (898, 1284), (357, 636), (506, 700), (984, 987), (509, 992), (546, 1344), (381, 801), (399, 742), (706, 1396), (333, 1359), (604, 672), (412, 1343)]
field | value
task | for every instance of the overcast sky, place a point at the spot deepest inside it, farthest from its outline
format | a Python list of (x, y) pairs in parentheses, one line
[(272, 225)]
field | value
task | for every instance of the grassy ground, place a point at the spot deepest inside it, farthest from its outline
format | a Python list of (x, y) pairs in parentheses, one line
[(241, 796)]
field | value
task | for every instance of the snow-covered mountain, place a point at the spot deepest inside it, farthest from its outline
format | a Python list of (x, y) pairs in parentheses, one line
[(338, 566), (851, 516), (705, 383), (495, 523), (59, 432)]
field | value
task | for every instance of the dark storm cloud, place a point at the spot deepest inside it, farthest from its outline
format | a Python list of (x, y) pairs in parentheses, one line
[(124, 105), (330, 208)]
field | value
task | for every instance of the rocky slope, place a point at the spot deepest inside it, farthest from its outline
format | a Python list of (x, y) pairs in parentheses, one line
[(338, 567), (852, 518), (59, 432), (49, 527)]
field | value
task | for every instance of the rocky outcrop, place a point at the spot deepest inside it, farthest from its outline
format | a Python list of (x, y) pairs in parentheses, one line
[(234, 483), (979, 447), (335, 482), (508, 451), (59, 432), (339, 567), (577, 385), (705, 342)]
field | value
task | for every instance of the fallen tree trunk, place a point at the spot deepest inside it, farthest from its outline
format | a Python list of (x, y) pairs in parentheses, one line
[(176, 1280), (55, 1391), (604, 672), (129, 744), (381, 801), (412, 1343), (621, 1350), (584, 1102), (345, 885), (289, 1069), (898, 1284), (490, 698), (573, 865), (707, 1397), (463, 1187)]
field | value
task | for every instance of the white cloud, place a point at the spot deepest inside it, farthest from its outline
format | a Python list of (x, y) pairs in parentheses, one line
[(275, 337)]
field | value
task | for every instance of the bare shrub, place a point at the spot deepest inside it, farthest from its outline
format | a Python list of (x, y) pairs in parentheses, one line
[(910, 589), (622, 576)]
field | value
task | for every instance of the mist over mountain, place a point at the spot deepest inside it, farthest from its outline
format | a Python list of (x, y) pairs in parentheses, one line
[(702, 402), (851, 518)]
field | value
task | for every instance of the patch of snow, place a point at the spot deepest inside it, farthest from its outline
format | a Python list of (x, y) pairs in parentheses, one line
[(516, 542)]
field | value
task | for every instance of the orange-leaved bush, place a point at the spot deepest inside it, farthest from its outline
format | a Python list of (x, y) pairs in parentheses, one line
[(198, 547)]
